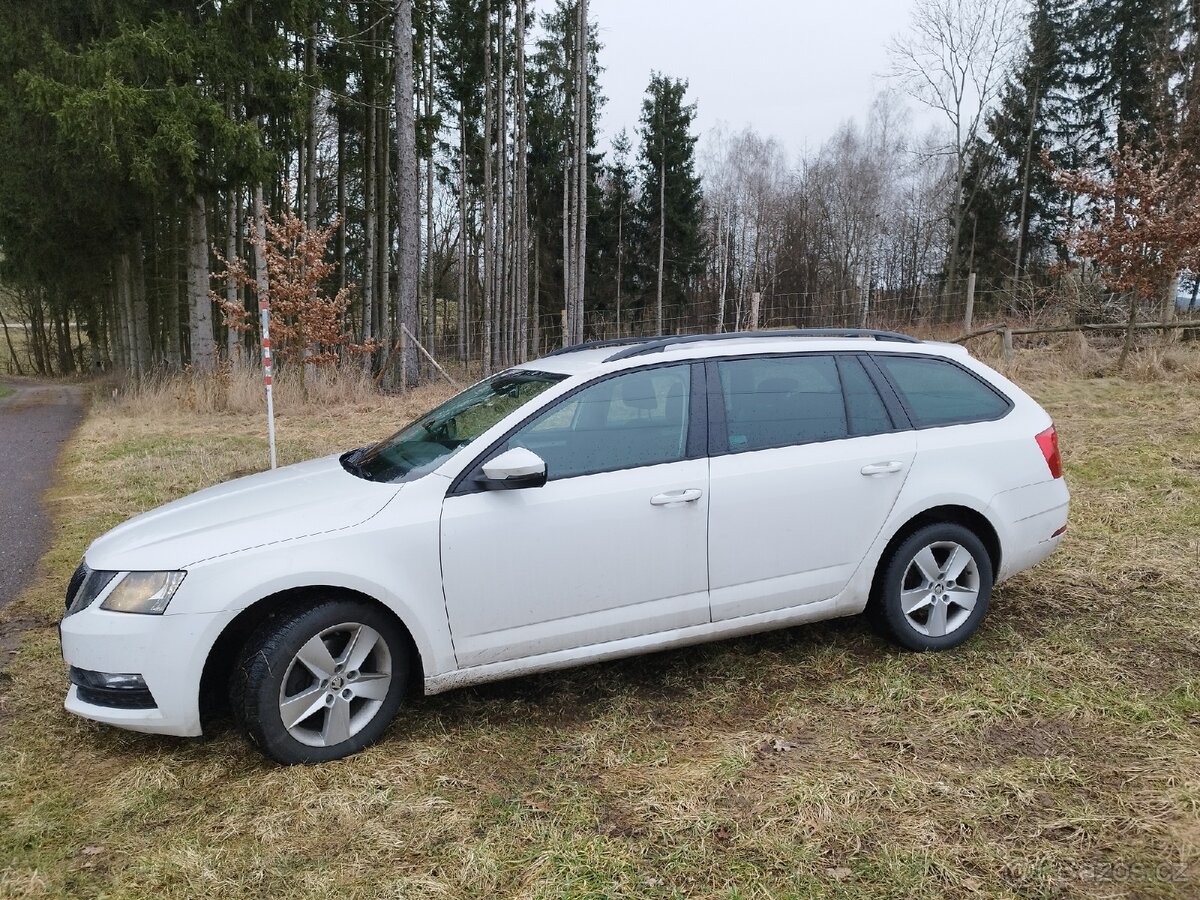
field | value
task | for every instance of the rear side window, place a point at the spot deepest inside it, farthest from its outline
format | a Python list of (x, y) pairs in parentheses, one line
[(867, 413), (779, 401), (937, 392)]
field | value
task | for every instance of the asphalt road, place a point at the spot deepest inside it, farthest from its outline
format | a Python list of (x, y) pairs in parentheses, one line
[(34, 423)]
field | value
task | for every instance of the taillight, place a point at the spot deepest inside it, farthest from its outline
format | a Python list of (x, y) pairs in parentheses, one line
[(1048, 441)]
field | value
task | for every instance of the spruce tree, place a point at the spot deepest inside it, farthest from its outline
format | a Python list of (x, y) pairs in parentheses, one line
[(669, 214)]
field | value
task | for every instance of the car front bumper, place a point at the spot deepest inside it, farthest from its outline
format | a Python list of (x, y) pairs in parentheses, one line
[(167, 651)]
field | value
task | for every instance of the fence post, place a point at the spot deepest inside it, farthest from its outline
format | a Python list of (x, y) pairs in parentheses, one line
[(969, 315), (405, 333), (755, 305), (1006, 343)]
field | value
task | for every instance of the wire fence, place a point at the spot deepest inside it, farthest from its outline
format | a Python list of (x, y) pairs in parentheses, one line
[(929, 313)]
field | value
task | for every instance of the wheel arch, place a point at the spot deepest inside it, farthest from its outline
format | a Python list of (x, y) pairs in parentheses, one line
[(222, 656), (973, 520)]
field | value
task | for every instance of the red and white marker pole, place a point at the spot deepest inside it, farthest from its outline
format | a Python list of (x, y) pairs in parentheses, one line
[(265, 314)]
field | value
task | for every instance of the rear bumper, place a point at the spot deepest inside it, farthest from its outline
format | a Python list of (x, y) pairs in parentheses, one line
[(1030, 521), (168, 651)]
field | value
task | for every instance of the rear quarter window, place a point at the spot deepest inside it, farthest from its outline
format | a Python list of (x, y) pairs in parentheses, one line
[(938, 392)]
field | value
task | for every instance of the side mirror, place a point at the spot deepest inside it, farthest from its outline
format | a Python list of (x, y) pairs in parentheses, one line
[(515, 468)]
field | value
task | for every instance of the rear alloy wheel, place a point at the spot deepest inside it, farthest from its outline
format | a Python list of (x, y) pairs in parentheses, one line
[(321, 682), (936, 587)]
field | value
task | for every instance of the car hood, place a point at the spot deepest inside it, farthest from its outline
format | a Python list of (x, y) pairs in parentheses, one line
[(284, 504)]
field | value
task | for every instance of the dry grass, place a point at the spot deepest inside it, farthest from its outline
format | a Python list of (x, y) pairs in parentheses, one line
[(1054, 755)]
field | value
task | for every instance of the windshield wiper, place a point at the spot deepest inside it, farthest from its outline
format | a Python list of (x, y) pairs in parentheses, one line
[(350, 463)]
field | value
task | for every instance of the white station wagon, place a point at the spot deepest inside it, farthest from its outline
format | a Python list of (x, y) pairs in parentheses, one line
[(606, 500)]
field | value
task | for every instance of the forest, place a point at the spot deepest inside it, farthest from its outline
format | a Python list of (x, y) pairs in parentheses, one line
[(395, 176)]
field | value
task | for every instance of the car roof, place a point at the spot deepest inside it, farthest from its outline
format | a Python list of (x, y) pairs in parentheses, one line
[(592, 360)]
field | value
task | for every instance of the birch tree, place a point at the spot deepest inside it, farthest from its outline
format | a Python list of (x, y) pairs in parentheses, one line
[(953, 59)]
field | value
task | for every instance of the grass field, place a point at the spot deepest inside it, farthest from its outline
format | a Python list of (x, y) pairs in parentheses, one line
[(1054, 755)]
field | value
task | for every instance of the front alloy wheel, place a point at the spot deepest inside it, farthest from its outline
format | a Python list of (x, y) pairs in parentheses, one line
[(936, 587), (335, 685), (321, 681)]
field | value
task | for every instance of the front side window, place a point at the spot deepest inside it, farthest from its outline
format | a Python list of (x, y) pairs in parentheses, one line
[(636, 419), (781, 401), (937, 392), (436, 436)]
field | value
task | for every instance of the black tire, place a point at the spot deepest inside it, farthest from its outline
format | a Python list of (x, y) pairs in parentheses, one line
[(271, 655), (898, 586)]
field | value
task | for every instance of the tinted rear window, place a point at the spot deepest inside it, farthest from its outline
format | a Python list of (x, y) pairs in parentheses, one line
[(780, 401), (937, 392), (868, 415)]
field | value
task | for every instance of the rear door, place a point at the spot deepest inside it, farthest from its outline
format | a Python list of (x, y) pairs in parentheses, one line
[(807, 461)]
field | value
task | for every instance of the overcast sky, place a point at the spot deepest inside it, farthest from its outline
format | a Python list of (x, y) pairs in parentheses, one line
[(794, 69)]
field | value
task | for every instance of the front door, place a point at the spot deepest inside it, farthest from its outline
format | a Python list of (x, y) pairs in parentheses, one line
[(613, 546)]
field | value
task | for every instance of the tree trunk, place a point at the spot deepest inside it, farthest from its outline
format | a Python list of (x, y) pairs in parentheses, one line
[(662, 221), (431, 311), (500, 279), (1023, 222), (1130, 332), (409, 218), (141, 309), (14, 360), (521, 294), (536, 314), (232, 335), (369, 232), (383, 170), (262, 283), (488, 194), (568, 215), (172, 292), (314, 109), (581, 169), (463, 274), (199, 302), (341, 203), (723, 266)]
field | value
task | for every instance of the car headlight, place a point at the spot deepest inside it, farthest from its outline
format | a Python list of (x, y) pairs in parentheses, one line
[(143, 592)]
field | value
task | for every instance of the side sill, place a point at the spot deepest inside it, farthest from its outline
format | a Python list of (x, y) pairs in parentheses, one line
[(832, 608)]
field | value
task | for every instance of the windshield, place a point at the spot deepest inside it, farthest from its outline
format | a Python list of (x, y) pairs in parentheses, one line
[(436, 436)]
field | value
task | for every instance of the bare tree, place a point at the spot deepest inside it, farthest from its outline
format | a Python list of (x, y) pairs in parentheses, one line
[(953, 60)]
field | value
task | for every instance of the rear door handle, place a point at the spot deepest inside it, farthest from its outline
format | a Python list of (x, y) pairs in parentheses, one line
[(883, 468), (667, 498)]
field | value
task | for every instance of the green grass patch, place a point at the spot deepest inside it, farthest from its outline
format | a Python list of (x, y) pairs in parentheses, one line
[(1054, 755)]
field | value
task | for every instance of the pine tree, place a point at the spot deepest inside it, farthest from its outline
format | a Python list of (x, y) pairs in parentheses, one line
[(669, 214), (1122, 66)]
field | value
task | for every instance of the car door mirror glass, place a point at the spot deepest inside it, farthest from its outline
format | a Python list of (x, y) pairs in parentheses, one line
[(515, 468)]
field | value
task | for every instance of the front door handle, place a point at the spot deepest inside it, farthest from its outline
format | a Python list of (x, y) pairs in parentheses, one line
[(667, 498), (883, 468)]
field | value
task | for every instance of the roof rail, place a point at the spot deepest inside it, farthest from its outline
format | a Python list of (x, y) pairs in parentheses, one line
[(655, 345), (592, 345)]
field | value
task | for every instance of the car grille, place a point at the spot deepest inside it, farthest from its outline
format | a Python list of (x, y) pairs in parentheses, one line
[(85, 586)]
